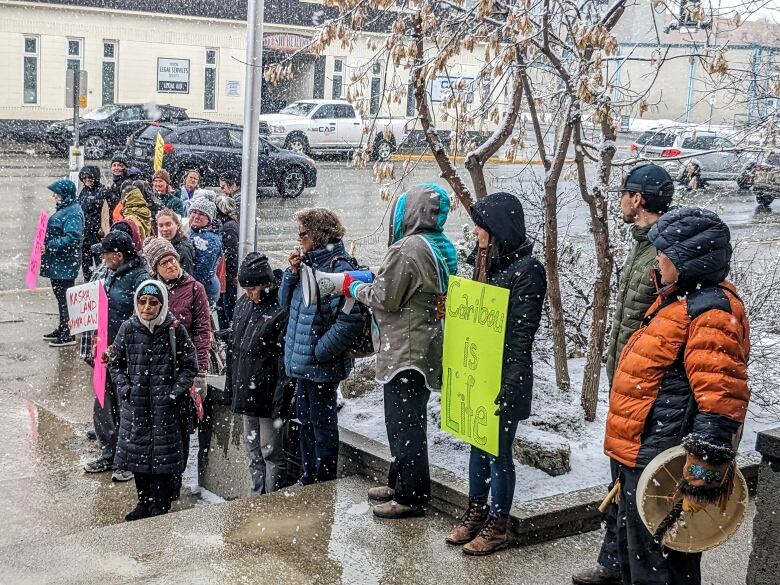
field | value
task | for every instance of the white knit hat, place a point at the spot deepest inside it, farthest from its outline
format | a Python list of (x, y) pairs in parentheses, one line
[(204, 206)]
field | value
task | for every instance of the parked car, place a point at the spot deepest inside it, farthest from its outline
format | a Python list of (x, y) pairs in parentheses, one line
[(763, 176), (106, 129), (215, 147), (687, 142), (322, 126)]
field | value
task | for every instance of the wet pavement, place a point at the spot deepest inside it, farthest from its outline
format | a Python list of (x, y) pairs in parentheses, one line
[(45, 409), (319, 534)]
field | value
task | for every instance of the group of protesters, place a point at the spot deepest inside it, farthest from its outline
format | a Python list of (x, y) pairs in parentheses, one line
[(676, 359)]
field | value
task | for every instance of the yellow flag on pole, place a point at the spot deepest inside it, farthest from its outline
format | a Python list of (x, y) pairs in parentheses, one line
[(159, 144)]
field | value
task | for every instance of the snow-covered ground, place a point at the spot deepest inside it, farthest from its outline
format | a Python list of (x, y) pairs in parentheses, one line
[(553, 411)]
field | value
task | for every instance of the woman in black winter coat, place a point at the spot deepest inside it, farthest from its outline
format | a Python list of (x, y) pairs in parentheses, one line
[(91, 198), (153, 365), (503, 258), (261, 391)]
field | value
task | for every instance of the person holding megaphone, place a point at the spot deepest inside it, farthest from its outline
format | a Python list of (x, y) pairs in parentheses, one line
[(404, 296), (318, 335)]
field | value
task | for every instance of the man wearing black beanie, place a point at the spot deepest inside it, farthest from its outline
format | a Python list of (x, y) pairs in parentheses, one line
[(261, 391)]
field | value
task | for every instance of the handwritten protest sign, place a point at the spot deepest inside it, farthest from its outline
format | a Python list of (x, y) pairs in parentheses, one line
[(34, 265), (101, 338), (83, 307), (472, 361)]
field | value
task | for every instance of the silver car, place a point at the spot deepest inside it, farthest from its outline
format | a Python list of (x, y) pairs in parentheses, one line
[(685, 142)]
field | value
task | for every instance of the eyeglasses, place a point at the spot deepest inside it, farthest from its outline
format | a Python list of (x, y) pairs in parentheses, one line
[(167, 261)]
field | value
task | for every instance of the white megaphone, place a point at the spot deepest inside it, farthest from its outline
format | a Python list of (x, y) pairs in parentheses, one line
[(314, 283)]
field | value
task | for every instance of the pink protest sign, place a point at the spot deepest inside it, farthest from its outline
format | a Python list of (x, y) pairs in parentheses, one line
[(34, 266), (99, 373)]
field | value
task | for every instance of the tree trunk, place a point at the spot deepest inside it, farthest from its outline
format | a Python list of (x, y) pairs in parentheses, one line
[(475, 161), (597, 206), (420, 83), (557, 323)]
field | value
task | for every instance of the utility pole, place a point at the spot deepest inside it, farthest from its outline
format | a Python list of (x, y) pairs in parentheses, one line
[(76, 94), (75, 97), (251, 137)]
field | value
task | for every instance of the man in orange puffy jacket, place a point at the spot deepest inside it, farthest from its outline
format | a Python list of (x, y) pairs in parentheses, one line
[(681, 380)]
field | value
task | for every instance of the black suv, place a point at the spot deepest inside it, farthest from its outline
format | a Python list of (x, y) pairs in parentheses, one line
[(107, 129), (215, 147)]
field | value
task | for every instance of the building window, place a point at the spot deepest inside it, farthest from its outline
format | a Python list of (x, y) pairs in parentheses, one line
[(75, 52), (30, 65), (210, 80), (338, 79), (376, 87), (109, 72)]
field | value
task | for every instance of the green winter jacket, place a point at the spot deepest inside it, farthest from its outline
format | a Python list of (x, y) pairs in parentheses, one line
[(636, 292)]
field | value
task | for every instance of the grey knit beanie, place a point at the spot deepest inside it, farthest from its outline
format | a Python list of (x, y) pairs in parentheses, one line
[(204, 206)]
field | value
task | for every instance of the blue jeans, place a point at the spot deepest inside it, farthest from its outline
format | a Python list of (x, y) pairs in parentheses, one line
[(315, 405), (497, 474)]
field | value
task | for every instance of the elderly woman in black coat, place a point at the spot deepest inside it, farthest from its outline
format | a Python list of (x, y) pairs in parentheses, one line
[(153, 365)]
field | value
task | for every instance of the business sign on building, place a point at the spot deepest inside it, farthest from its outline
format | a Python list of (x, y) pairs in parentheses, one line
[(173, 75), (285, 42), (441, 87)]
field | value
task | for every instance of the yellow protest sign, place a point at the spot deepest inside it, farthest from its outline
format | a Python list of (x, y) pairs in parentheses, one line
[(472, 361), (159, 145)]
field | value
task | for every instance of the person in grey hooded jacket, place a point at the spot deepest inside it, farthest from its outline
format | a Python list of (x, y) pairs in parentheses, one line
[(404, 296)]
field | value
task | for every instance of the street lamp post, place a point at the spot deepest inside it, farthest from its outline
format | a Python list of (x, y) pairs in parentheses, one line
[(251, 137)]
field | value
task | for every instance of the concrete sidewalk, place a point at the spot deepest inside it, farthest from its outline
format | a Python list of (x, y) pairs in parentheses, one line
[(63, 527)]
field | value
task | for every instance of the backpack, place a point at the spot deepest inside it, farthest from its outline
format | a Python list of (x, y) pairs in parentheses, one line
[(363, 345)]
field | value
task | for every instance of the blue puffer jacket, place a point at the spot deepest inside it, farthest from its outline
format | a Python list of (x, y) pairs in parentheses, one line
[(313, 348), (208, 249), (64, 234)]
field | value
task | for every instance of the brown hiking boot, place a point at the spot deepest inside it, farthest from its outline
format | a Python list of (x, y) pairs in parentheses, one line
[(469, 524), (597, 575), (492, 537), (381, 493), (392, 510)]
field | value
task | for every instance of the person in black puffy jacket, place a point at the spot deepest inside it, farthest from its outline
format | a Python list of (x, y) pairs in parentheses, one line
[(261, 391), (153, 365), (91, 198), (503, 258)]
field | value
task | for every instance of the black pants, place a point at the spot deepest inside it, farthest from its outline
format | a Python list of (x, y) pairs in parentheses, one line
[(608, 557), (315, 406), (88, 259), (186, 427), (226, 305), (406, 409), (106, 420), (59, 288), (205, 428), (640, 564), (156, 492)]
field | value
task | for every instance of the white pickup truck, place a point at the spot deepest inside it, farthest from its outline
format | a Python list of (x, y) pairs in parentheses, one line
[(320, 126)]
